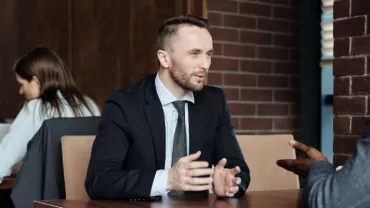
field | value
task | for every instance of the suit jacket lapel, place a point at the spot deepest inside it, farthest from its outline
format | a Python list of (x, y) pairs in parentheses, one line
[(155, 116), (196, 122)]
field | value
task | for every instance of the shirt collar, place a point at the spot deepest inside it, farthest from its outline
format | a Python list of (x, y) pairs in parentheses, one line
[(166, 97)]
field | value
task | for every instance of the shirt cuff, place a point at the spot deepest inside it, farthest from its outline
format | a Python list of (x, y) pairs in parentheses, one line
[(159, 186)]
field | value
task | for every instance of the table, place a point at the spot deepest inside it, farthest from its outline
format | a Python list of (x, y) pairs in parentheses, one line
[(258, 199)]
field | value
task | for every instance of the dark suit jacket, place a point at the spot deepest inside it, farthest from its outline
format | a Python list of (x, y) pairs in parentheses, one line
[(130, 145)]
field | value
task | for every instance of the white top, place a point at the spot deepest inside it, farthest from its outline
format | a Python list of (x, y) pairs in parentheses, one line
[(170, 118), (13, 145)]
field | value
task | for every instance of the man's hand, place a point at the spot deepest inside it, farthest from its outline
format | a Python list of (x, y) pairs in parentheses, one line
[(224, 181), (301, 166), (184, 175)]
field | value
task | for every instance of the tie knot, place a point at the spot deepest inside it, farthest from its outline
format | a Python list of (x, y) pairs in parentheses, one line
[(180, 107)]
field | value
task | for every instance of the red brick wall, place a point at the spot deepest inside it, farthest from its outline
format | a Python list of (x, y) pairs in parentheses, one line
[(352, 80), (256, 62)]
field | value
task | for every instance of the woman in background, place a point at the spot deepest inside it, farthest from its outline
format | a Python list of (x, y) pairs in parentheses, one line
[(50, 92)]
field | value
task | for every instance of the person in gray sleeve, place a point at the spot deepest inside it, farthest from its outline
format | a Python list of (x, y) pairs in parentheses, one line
[(326, 187)]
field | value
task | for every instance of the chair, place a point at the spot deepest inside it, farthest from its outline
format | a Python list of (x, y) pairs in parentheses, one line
[(41, 176), (261, 153), (76, 152)]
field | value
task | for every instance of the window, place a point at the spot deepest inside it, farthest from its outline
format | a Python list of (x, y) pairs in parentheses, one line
[(327, 40)]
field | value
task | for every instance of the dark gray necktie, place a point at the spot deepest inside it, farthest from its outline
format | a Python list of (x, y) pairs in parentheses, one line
[(179, 143)]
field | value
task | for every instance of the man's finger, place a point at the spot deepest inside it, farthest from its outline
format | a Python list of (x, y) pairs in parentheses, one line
[(197, 164), (228, 194), (288, 163), (237, 181), (199, 172), (197, 188), (191, 157), (235, 170), (233, 189), (222, 163), (200, 181), (299, 146)]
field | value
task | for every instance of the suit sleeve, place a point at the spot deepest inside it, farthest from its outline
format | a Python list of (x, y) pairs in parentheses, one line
[(228, 147), (348, 187), (105, 177)]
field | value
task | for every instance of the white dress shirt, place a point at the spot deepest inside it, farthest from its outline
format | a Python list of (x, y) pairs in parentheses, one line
[(170, 118), (13, 145)]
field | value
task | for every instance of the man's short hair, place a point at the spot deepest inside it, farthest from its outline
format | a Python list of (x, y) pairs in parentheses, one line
[(170, 27)]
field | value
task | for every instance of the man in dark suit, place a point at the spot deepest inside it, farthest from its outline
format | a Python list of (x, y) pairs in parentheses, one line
[(162, 135)]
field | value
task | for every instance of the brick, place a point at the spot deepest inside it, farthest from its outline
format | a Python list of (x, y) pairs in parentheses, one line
[(273, 109), (273, 53), (239, 21), (286, 68), (235, 122), (215, 19), (214, 78), (341, 47), (345, 144), (256, 123), (361, 45), (349, 27), (255, 9), (224, 6), (289, 13), (231, 35), (273, 81), (341, 9), (341, 86), (274, 25), (349, 66), (295, 82), (339, 159), (360, 7), (255, 37), (341, 124), (256, 66), (224, 64), (286, 123), (240, 80), (217, 48), (256, 94), (286, 95), (286, 40), (349, 105), (242, 109), (231, 93), (294, 54), (283, 2), (361, 85), (295, 109), (358, 125), (239, 50)]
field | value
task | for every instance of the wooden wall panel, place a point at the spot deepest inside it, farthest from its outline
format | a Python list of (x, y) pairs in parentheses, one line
[(9, 99), (106, 44), (43, 22)]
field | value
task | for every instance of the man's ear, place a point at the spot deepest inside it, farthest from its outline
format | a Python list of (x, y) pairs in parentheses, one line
[(164, 58)]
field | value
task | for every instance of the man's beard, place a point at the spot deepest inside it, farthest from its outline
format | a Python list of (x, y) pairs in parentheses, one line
[(184, 80)]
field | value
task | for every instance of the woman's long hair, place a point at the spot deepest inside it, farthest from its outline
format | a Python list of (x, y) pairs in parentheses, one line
[(53, 76)]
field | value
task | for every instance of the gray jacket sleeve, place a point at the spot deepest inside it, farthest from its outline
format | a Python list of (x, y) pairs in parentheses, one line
[(348, 187)]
